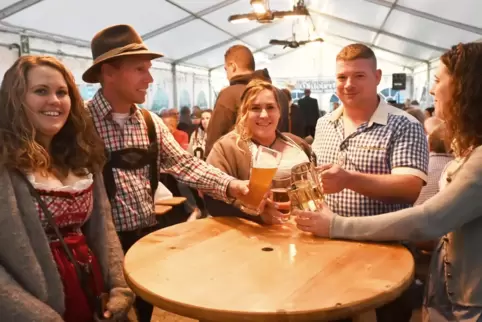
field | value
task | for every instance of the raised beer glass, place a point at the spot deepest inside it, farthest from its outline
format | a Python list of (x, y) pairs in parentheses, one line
[(263, 169)]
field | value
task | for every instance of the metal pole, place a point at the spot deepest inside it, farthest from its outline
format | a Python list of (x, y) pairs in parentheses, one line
[(174, 86), (210, 98), (193, 89)]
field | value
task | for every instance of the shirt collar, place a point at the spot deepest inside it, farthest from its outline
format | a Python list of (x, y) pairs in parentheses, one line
[(103, 107), (380, 116)]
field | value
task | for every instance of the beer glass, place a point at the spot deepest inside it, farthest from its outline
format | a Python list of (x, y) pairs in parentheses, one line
[(263, 169), (306, 192), (279, 191)]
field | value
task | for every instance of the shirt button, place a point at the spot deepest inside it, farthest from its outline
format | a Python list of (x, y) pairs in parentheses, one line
[(449, 275), (450, 293)]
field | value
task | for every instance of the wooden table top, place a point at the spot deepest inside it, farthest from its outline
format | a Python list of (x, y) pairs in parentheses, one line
[(229, 269), (174, 201)]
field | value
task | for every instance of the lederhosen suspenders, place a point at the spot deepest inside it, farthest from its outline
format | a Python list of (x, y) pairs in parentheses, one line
[(134, 158)]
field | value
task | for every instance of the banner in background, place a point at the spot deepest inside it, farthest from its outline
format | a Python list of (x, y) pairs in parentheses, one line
[(317, 86)]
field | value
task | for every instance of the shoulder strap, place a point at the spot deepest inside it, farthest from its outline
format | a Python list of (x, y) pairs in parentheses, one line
[(151, 132)]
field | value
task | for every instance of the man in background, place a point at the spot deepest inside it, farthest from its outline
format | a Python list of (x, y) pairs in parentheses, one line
[(239, 66), (309, 108), (438, 158)]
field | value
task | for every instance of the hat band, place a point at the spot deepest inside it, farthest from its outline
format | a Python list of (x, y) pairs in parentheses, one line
[(116, 51)]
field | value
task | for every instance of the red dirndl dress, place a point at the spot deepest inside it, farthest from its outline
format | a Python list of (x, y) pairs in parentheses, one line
[(71, 208)]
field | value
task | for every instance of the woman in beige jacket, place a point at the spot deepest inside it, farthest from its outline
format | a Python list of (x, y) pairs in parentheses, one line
[(256, 126)]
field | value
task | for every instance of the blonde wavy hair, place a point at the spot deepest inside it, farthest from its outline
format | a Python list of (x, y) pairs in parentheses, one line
[(252, 90), (76, 146)]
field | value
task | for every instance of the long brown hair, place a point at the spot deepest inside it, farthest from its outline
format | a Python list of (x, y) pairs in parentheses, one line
[(464, 115), (76, 147), (252, 90)]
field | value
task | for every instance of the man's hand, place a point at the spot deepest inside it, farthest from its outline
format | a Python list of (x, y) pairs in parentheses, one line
[(318, 223), (238, 188), (333, 178)]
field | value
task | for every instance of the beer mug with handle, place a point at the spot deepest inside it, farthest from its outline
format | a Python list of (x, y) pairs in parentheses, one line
[(263, 169), (305, 192)]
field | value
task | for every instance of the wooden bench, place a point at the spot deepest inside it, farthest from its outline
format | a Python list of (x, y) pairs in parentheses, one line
[(161, 210)]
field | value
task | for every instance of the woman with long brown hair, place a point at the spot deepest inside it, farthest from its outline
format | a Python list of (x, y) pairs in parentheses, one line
[(454, 291), (59, 252)]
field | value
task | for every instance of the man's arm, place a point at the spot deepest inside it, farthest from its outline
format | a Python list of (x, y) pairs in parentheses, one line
[(188, 169), (456, 205), (409, 163), (222, 120), (390, 188)]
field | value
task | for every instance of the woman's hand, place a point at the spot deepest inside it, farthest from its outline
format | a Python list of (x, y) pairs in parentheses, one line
[(271, 214), (318, 223), (119, 303)]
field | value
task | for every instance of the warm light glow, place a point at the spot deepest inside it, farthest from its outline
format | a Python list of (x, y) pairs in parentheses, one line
[(293, 16), (258, 8), (242, 20)]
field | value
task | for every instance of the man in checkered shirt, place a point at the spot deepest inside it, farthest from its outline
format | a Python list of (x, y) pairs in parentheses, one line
[(373, 156), (121, 64)]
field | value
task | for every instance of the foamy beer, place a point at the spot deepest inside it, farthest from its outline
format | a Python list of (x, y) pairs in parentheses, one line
[(263, 170)]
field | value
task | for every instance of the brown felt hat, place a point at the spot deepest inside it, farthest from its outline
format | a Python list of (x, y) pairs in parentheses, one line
[(112, 42)]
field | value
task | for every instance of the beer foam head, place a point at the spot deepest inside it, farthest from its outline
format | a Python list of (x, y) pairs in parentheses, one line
[(266, 161)]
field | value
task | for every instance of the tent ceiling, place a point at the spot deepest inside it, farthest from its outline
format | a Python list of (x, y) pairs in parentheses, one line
[(405, 32)]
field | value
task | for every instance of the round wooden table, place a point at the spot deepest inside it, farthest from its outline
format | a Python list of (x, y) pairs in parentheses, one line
[(229, 269)]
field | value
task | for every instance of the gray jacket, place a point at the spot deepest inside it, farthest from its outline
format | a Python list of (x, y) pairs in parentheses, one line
[(455, 213), (30, 286)]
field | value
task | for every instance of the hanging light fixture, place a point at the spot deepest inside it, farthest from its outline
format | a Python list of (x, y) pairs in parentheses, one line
[(262, 13), (259, 6)]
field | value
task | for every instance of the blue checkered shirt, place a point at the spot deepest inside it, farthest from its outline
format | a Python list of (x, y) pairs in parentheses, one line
[(392, 142)]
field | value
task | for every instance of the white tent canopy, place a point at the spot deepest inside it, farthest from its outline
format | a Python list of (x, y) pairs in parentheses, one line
[(196, 33)]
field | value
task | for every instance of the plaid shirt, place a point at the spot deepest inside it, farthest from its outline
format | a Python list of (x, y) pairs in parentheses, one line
[(392, 142), (133, 206)]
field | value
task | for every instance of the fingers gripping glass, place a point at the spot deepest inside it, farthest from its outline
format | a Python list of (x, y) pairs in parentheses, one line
[(263, 169)]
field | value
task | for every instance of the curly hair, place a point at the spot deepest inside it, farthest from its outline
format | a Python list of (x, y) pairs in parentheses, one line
[(76, 147), (252, 90), (464, 114)]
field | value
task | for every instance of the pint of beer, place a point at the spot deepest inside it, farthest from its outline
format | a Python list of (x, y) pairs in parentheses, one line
[(263, 170), (279, 193)]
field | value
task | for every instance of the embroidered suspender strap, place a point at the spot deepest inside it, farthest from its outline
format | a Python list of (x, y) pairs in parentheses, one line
[(151, 132), (82, 275), (145, 157)]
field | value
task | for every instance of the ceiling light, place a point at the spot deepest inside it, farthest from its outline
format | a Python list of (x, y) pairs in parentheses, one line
[(259, 6), (294, 43), (262, 13)]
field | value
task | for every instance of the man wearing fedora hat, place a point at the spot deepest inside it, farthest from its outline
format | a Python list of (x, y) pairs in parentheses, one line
[(138, 144)]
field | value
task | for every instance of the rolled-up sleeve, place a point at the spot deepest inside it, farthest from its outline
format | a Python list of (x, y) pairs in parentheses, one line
[(409, 153)]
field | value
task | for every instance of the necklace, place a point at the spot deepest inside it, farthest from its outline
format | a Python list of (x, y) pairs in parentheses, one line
[(269, 146)]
